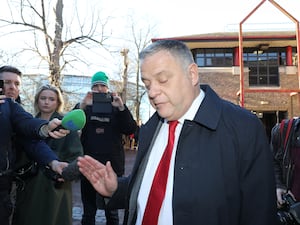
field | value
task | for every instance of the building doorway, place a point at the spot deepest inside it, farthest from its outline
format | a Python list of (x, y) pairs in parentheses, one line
[(270, 118)]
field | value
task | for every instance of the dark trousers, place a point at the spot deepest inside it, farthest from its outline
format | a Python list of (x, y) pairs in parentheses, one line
[(88, 197)]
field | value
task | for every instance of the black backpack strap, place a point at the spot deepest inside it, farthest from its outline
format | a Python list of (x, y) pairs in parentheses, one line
[(286, 133)]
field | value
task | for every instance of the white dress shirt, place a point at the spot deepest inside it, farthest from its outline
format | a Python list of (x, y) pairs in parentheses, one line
[(166, 212)]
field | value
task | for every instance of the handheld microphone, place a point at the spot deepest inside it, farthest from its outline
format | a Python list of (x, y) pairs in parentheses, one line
[(73, 120), (71, 172)]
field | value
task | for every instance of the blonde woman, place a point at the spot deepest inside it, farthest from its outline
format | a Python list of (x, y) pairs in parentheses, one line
[(44, 200)]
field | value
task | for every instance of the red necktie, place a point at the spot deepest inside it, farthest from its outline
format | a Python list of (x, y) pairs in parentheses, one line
[(158, 188)]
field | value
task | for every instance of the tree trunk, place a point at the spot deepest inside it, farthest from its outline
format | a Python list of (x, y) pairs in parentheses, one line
[(124, 53), (54, 67)]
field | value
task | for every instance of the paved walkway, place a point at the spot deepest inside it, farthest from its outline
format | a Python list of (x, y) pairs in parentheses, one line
[(100, 217)]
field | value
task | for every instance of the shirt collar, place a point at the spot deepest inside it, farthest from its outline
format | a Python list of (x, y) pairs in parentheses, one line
[(190, 114)]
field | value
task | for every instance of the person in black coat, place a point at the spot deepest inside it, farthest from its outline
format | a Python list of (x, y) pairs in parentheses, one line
[(15, 120), (285, 145), (220, 171), (108, 119)]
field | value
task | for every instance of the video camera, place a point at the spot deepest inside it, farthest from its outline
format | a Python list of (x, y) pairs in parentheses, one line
[(289, 214)]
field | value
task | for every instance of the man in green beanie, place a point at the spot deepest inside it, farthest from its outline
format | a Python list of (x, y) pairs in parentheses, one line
[(101, 138)]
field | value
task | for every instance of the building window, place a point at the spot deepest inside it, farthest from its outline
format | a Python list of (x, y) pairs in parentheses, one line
[(263, 66), (262, 63), (213, 57)]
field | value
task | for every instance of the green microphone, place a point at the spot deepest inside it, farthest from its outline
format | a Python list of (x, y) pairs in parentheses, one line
[(74, 120)]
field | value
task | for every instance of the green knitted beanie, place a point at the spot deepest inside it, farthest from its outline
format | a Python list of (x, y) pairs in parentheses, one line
[(99, 78)]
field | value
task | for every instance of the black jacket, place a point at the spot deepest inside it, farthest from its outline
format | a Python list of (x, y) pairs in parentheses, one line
[(14, 120), (223, 172), (283, 163), (102, 136)]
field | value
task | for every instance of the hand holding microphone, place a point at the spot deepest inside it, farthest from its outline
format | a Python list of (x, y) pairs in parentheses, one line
[(73, 120), (69, 172), (53, 129)]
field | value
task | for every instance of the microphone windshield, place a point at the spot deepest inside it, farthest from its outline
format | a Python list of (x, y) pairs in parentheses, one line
[(74, 120), (71, 172)]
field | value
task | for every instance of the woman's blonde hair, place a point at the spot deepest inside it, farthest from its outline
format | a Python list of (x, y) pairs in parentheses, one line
[(60, 100)]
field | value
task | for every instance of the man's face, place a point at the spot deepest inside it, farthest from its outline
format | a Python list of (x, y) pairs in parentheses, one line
[(12, 82), (100, 88), (171, 90)]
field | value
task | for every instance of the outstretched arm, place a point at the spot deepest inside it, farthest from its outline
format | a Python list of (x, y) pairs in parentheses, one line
[(101, 176)]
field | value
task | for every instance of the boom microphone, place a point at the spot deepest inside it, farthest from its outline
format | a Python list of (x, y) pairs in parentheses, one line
[(74, 120)]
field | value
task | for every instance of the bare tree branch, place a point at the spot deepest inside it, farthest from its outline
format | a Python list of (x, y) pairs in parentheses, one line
[(54, 43)]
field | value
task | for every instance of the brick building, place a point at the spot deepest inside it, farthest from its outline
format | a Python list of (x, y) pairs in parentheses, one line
[(270, 75)]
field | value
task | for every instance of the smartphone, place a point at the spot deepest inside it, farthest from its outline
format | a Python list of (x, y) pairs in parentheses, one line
[(102, 97), (1, 86), (102, 103)]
